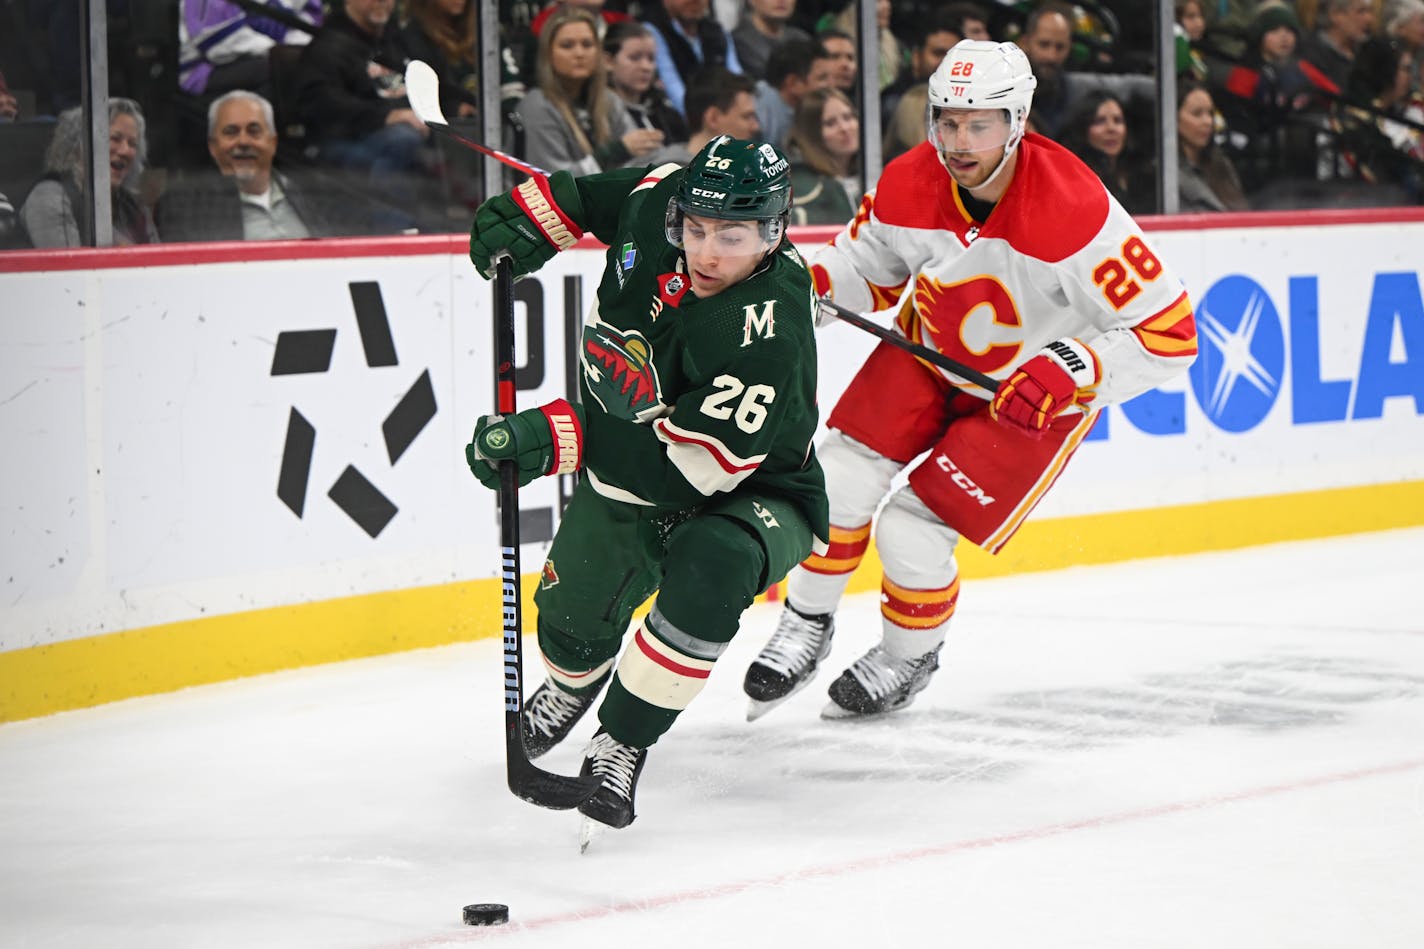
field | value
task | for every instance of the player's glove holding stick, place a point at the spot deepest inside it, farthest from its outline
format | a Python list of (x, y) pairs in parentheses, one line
[(533, 222), (543, 441), (1063, 374)]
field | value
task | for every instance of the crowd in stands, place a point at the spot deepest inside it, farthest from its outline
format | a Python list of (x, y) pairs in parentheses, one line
[(289, 118)]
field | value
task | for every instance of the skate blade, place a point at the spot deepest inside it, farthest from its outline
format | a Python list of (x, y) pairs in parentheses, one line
[(590, 831), (836, 713), (756, 709)]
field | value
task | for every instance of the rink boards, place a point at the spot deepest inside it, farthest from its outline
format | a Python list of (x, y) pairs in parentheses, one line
[(226, 460)]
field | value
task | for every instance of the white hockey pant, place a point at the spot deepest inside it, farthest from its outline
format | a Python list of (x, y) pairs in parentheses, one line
[(916, 548)]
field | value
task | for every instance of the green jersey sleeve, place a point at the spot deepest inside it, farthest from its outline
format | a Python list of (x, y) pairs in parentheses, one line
[(603, 197)]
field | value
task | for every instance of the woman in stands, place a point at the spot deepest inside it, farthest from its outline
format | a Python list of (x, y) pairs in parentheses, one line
[(1206, 180), (1097, 132), (824, 143), (51, 212), (442, 33), (631, 58), (573, 121)]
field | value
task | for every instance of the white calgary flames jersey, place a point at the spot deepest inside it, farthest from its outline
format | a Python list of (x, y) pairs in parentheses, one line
[(1057, 257)]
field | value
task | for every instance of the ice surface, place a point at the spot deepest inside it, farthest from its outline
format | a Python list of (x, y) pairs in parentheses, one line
[(1224, 750)]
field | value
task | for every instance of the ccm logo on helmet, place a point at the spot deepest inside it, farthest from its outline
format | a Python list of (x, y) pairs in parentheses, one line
[(704, 193)]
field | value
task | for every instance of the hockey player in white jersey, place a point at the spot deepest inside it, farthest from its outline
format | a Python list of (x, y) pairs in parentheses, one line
[(1010, 257)]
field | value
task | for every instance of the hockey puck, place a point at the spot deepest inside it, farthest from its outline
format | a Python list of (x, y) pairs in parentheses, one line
[(486, 914)]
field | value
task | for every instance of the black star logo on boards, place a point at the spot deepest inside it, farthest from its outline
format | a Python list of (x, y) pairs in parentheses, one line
[(300, 352)]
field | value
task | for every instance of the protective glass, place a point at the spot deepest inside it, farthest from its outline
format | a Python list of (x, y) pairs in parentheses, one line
[(963, 130), (702, 236), (724, 240)]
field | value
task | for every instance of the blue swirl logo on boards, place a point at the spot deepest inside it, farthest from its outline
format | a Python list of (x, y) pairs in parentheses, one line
[(1241, 357)]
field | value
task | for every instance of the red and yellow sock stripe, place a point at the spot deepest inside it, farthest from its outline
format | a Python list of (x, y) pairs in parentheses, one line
[(917, 609), (843, 554)]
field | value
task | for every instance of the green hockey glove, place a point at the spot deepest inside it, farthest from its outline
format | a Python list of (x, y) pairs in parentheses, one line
[(542, 441), (533, 222)]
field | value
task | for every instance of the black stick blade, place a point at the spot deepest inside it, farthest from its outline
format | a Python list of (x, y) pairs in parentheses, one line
[(558, 792)]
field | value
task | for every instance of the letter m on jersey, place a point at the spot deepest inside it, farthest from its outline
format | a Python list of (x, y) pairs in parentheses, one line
[(763, 323)]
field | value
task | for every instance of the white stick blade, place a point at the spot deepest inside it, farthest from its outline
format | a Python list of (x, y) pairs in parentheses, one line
[(422, 87)]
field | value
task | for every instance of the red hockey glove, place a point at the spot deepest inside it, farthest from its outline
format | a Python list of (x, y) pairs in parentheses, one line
[(1063, 374), (542, 441), (533, 222)]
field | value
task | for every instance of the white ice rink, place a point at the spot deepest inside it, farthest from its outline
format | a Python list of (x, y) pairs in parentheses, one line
[(1224, 750)]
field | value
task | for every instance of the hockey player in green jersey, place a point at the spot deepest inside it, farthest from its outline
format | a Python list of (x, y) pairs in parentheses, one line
[(692, 435)]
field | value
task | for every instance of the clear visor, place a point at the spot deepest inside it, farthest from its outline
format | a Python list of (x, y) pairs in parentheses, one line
[(968, 130), (723, 238)]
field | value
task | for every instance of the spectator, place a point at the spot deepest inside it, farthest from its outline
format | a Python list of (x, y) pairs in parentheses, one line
[(51, 212), (841, 46), (1377, 146), (246, 199), (794, 69), (689, 40), (824, 148), (1046, 40), (1097, 132), (904, 103), (1341, 26), (941, 31), (974, 19), (1206, 180), (573, 121), (1268, 100), (351, 90), (718, 103), (443, 34), (1405, 27), (892, 54), (630, 57), (765, 25), (1189, 30), (223, 46), (525, 48)]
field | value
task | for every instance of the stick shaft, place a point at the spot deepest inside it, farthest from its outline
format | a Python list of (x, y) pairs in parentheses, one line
[(509, 521), (933, 356)]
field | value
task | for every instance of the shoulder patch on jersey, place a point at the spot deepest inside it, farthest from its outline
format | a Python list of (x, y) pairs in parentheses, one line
[(1054, 206)]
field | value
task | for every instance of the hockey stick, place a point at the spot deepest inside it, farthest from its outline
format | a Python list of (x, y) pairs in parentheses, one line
[(932, 356), (422, 88), (527, 780)]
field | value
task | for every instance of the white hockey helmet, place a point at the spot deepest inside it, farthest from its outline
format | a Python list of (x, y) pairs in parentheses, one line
[(977, 74)]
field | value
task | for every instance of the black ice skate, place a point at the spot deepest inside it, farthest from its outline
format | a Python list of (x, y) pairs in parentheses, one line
[(619, 765), (551, 713), (879, 683), (789, 660)]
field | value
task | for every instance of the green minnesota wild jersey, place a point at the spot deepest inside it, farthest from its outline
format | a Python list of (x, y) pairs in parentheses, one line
[(688, 399)]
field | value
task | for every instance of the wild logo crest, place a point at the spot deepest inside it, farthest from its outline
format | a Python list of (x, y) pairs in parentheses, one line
[(618, 367)]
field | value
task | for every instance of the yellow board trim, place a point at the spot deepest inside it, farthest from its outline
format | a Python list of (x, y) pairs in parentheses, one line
[(84, 672)]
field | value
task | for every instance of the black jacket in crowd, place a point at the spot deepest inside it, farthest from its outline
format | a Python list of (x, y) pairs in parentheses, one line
[(338, 99)]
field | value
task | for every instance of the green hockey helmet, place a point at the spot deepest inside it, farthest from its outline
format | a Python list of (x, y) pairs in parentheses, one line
[(732, 179)]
